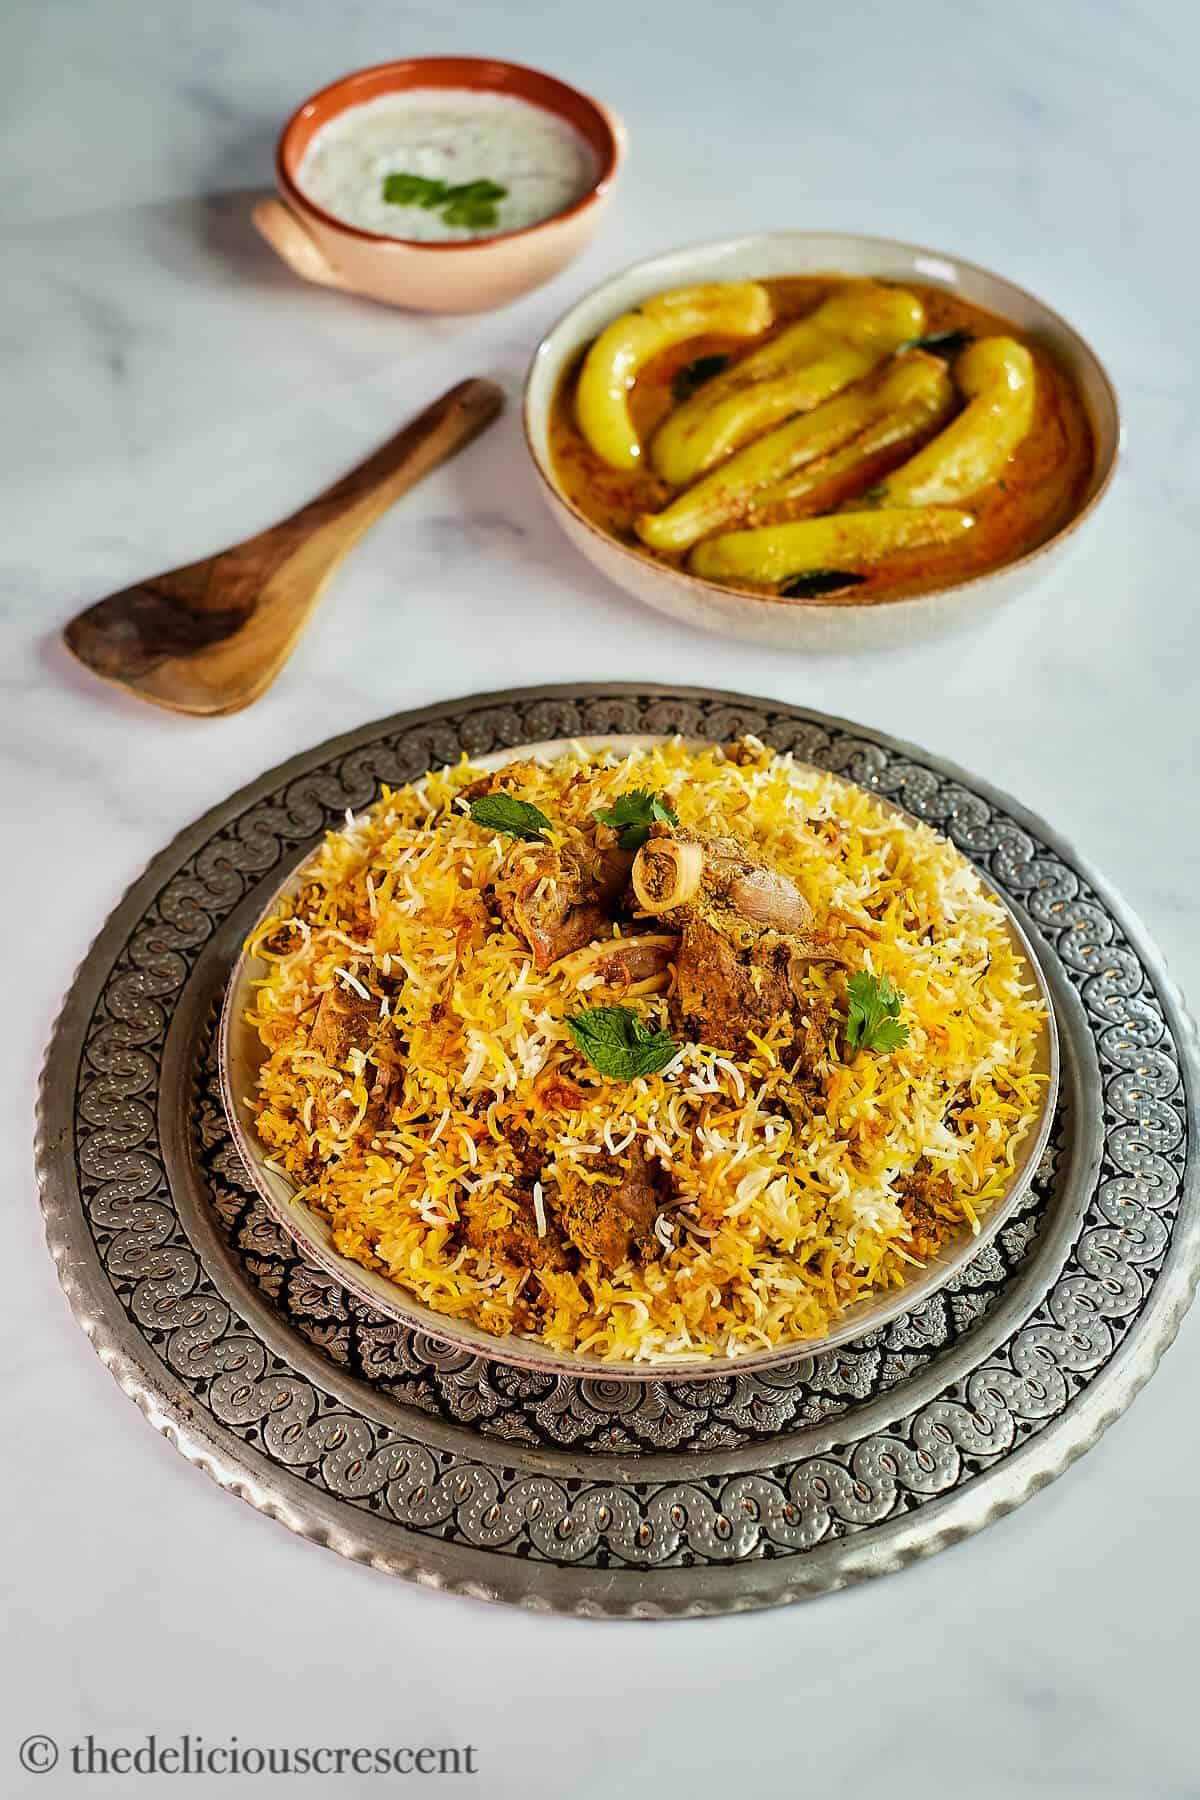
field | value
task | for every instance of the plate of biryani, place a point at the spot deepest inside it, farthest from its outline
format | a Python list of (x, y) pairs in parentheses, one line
[(639, 1057)]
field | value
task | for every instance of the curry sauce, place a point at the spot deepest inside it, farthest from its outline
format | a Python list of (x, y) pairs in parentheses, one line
[(1041, 489)]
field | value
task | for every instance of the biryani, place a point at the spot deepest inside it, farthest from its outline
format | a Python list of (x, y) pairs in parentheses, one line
[(649, 1055)]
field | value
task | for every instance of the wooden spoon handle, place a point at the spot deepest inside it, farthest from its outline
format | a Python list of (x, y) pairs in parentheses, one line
[(210, 637), (434, 435)]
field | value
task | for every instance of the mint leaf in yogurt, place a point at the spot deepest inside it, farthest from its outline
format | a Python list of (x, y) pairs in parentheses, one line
[(413, 190), (471, 204)]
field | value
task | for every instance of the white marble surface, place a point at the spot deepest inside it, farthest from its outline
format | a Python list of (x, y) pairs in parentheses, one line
[(166, 388)]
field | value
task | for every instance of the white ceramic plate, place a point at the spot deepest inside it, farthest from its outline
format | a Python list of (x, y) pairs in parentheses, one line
[(813, 624), (241, 1054)]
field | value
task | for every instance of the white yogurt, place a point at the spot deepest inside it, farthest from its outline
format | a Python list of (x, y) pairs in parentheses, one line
[(450, 135)]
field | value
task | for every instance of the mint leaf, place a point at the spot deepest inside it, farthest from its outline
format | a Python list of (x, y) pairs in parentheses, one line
[(468, 203), (477, 190), (516, 818), (413, 190), (873, 1019), (633, 814), (616, 1041)]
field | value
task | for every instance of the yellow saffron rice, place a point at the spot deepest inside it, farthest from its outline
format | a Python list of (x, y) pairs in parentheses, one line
[(787, 1203)]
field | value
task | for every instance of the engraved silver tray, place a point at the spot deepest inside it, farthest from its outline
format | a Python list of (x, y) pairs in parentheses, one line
[(590, 1496)]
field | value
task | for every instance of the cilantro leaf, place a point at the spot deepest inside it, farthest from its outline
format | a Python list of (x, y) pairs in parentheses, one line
[(891, 1035), (516, 818), (617, 1042), (695, 374), (873, 1020), (633, 814)]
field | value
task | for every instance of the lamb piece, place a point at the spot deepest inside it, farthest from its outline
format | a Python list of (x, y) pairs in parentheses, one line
[(608, 1221), (344, 1022), (748, 933), (728, 984), (814, 1037), (806, 1089), (722, 990), (530, 1155), (677, 873), (927, 1200), (516, 1242), (559, 899), (927, 1186), (635, 965), (510, 779)]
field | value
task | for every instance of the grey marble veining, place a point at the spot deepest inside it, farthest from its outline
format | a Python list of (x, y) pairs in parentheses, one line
[(167, 387)]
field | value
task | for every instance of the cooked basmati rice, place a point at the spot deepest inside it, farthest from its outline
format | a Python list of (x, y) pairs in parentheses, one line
[(785, 1211)]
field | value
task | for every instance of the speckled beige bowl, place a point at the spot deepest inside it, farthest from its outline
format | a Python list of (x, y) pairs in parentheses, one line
[(813, 624), (457, 277), (240, 1055)]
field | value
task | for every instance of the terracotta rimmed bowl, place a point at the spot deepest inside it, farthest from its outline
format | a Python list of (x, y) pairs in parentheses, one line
[(241, 1054), (458, 277), (814, 624)]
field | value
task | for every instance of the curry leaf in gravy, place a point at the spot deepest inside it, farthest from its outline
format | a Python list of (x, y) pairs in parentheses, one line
[(939, 343), (618, 1043), (819, 581), (693, 375)]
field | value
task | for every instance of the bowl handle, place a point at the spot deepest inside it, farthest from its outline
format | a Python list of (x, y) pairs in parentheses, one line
[(291, 241)]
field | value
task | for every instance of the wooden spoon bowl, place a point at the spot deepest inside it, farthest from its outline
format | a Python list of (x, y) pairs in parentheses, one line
[(211, 636)]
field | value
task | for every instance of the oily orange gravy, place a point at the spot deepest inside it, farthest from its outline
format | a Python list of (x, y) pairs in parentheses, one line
[(1041, 490)]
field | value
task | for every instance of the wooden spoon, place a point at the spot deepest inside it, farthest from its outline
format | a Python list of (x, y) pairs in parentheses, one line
[(212, 636)]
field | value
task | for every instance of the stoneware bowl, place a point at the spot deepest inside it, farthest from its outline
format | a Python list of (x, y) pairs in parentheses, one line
[(240, 1054), (459, 277), (813, 624)]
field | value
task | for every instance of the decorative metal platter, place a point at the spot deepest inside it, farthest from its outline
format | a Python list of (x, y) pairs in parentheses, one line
[(590, 1496)]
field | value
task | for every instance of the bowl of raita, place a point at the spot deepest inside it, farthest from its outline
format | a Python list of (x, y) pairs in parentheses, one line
[(441, 184)]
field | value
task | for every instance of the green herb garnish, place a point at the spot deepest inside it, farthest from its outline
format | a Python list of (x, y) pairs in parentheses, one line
[(413, 190), (516, 818), (633, 814), (695, 374), (473, 203), (819, 581), (617, 1042), (873, 1021), (470, 203), (939, 343)]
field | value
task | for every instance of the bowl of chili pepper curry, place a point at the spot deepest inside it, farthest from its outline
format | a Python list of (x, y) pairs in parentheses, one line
[(815, 440)]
